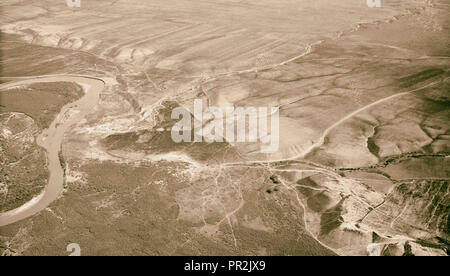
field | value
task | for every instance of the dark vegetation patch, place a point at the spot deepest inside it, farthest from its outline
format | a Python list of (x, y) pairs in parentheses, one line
[(372, 146), (274, 179), (428, 159), (408, 250), (332, 218), (389, 250), (318, 201), (433, 243), (420, 77), (305, 183), (23, 169), (24, 180), (40, 101), (159, 142), (23, 163)]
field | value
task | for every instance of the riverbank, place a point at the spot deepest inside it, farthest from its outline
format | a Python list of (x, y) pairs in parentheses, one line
[(51, 139)]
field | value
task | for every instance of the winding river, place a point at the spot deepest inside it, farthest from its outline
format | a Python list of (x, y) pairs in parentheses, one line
[(51, 140)]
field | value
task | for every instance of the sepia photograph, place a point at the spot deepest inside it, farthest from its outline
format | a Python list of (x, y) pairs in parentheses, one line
[(240, 130)]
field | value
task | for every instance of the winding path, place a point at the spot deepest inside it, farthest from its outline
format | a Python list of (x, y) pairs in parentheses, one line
[(51, 140), (327, 131)]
